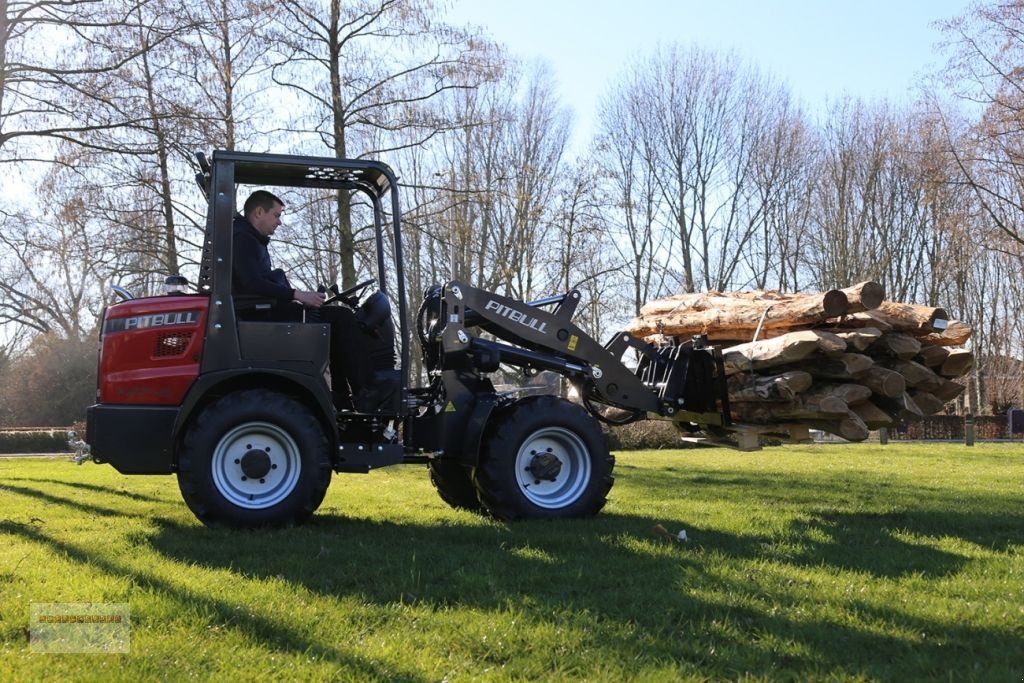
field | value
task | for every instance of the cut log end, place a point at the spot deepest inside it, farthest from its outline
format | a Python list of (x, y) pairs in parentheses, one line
[(835, 303)]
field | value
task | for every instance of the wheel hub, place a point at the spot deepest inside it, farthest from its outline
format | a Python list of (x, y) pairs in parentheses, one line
[(544, 466), (255, 464)]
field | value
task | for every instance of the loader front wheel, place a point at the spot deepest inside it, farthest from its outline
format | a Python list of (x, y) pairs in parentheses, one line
[(454, 483), (254, 459), (544, 458)]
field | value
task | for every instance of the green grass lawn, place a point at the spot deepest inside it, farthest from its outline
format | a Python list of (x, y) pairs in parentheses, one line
[(829, 562)]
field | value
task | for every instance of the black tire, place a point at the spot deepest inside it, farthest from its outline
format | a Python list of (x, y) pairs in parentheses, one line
[(544, 458), (255, 458), (454, 483)]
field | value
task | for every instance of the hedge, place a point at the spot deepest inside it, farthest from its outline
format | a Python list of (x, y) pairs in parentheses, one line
[(34, 441)]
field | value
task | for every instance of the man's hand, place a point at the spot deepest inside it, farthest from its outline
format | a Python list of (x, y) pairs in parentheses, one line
[(310, 299)]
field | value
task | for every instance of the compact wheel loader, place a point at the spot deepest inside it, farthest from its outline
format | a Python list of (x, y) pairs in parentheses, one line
[(241, 411)]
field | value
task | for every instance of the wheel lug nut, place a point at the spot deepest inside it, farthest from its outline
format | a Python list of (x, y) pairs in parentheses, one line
[(237, 461), (263, 481), (245, 478)]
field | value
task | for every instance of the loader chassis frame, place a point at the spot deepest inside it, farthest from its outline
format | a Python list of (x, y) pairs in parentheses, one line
[(172, 369)]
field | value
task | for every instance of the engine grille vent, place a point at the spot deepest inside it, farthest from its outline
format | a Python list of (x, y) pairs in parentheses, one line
[(172, 344)]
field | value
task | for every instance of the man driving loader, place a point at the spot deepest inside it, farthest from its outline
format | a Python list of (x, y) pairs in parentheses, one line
[(353, 341)]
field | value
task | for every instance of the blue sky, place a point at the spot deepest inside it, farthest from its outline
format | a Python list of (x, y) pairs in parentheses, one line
[(821, 48)]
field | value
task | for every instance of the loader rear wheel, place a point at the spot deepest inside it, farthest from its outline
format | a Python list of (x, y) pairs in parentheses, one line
[(544, 458), (254, 459), (454, 483)]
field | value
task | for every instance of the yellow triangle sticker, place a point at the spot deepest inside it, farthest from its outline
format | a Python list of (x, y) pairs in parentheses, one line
[(450, 408)]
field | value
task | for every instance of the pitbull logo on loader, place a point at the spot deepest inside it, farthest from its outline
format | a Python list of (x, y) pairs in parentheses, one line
[(516, 316)]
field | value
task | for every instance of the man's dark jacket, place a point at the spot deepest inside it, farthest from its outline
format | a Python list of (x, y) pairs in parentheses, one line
[(252, 271)]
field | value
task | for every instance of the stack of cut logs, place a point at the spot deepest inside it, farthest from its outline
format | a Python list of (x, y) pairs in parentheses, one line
[(844, 361)]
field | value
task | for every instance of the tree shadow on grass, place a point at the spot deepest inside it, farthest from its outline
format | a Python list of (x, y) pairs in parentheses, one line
[(54, 499), (263, 628), (860, 511), (702, 608), (644, 599), (92, 488)]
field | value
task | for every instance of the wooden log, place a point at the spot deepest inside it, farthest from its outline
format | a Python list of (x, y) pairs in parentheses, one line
[(850, 427), (859, 340), (955, 334), (884, 382), (897, 345), (787, 348), (932, 356), (928, 403), (948, 390), (872, 319), (958, 363), (864, 296), (873, 416), (917, 375), (902, 407), (843, 367), (781, 387), (915, 317), (822, 408), (851, 393), (724, 316)]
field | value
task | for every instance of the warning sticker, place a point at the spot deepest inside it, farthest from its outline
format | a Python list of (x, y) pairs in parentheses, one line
[(572, 342), (450, 408)]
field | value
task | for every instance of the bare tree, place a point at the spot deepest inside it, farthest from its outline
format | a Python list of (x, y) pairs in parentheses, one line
[(47, 94), (986, 47), (630, 189), (363, 68), (55, 263)]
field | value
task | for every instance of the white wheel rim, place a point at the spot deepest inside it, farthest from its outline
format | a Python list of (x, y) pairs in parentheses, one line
[(281, 477), (574, 470)]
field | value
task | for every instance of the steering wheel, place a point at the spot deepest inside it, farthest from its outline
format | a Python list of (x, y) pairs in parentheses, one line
[(351, 295)]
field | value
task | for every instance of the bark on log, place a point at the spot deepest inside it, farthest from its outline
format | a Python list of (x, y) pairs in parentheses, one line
[(902, 407), (851, 427), (865, 319), (760, 412), (843, 367), (873, 416), (723, 316), (932, 356), (956, 333), (915, 317), (782, 387), (897, 345), (884, 382), (788, 348), (948, 390), (928, 403), (864, 296), (851, 393), (859, 340), (923, 322), (917, 375), (957, 364)]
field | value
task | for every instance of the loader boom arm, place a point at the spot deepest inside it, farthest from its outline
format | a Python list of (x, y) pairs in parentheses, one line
[(685, 383)]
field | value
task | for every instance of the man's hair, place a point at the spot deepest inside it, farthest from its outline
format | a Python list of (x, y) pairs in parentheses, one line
[(262, 199)]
